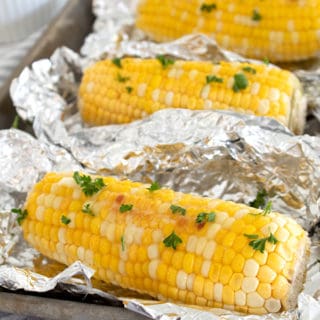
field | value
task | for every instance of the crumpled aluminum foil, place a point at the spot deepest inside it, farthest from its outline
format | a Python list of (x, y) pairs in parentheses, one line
[(211, 153)]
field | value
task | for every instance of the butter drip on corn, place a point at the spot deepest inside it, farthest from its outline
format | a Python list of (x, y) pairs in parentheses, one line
[(213, 265), (281, 30), (269, 91)]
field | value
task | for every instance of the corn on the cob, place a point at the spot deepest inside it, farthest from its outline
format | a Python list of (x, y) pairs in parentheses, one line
[(173, 246), (283, 30), (111, 93)]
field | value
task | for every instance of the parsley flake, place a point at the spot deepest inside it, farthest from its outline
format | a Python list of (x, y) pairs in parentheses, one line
[(22, 214), (176, 209), (15, 123), (117, 62), (213, 78), (120, 78), (240, 82), (165, 62), (205, 217), (208, 7), (172, 240), (125, 207), (89, 187), (65, 220), (129, 89), (267, 209), (256, 16), (249, 70), (260, 244), (260, 200), (266, 61), (154, 186), (122, 243), (86, 209)]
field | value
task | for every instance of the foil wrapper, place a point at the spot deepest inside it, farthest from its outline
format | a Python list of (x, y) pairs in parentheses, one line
[(217, 154)]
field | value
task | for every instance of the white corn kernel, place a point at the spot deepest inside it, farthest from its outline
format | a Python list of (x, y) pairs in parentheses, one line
[(264, 106), (153, 265), (249, 284), (201, 243), (182, 280), (209, 250), (205, 268), (62, 235), (240, 298), (153, 252), (273, 305), (169, 99), (155, 95), (251, 268), (81, 253), (205, 91), (217, 292), (40, 213), (254, 300), (192, 244)]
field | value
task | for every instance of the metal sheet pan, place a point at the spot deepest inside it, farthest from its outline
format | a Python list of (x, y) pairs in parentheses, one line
[(69, 29)]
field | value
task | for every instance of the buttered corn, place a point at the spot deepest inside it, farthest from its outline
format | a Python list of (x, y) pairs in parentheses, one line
[(120, 91), (173, 246), (281, 30)]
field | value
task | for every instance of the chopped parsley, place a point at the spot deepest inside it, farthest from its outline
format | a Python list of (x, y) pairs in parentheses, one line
[(165, 62), (129, 89), (240, 82), (249, 70), (120, 78), (267, 209), (88, 186), (122, 243), (208, 7), (65, 220), (260, 200), (86, 209), (213, 78), (260, 244), (172, 240), (256, 16), (22, 214), (154, 186), (266, 61), (117, 62), (176, 209), (15, 123), (125, 207), (205, 217)]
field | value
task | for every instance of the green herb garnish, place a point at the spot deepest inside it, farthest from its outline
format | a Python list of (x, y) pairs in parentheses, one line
[(208, 7), (172, 240), (260, 200), (22, 214), (165, 62), (86, 209), (249, 70), (240, 82), (154, 186), (120, 78), (213, 78), (267, 209), (15, 123), (88, 186), (260, 244), (176, 209), (266, 61), (65, 220), (117, 62), (122, 243), (129, 89), (205, 217), (125, 207), (256, 16)]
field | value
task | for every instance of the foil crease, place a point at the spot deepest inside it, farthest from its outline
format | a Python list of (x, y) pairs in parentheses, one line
[(216, 154)]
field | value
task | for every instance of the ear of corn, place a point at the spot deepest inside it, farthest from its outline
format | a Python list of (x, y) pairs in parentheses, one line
[(104, 97), (173, 246), (283, 30)]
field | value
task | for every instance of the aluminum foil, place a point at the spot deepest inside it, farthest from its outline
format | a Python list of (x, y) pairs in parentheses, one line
[(216, 154)]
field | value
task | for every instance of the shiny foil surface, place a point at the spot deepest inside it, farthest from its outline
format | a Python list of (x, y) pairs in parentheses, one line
[(216, 154)]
